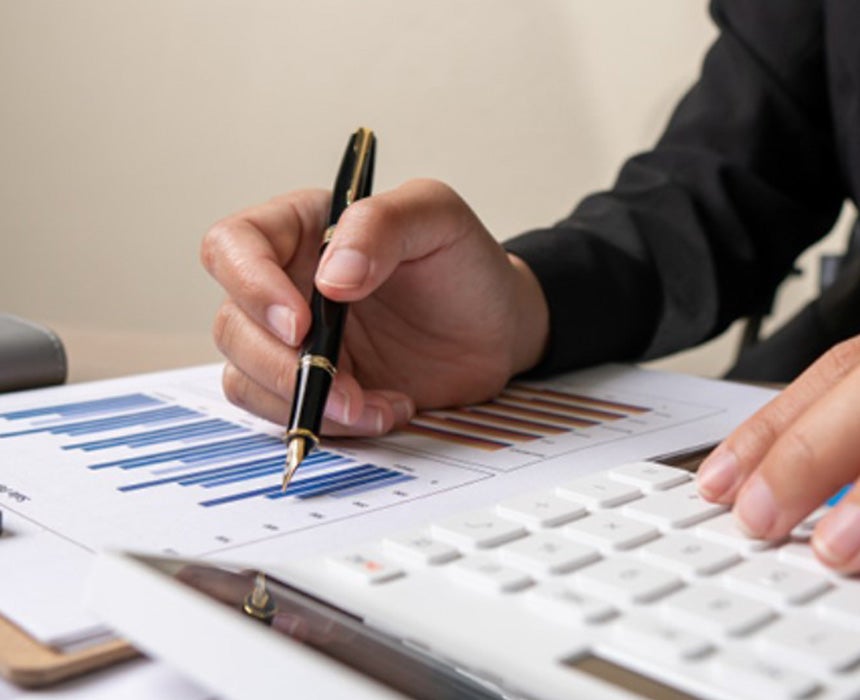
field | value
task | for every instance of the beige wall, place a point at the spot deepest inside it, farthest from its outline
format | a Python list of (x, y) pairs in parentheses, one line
[(126, 128)]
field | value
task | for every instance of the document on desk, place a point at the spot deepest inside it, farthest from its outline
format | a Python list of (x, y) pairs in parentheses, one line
[(162, 463)]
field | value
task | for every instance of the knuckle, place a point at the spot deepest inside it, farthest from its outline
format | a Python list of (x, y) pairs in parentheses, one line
[(234, 386), (214, 243), (761, 432), (843, 357), (371, 214), (284, 378), (224, 327)]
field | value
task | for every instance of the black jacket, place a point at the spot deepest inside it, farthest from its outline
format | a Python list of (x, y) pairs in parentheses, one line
[(753, 167)]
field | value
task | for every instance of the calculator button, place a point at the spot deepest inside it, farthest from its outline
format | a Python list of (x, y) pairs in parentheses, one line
[(678, 507), (559, 602), (625, 580), (477, 530), (598, 491), (724, 528), (842, 606), (714, 610), (365, 566), (649, 476), (811, 644), (775, 582), (649, 636), (610, 531), (747, 676), (419, 548), (689, 555), (540, 510), (484, 573), (547, 553)]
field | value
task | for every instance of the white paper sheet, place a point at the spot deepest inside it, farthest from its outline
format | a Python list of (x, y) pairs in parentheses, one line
[(162, 463)]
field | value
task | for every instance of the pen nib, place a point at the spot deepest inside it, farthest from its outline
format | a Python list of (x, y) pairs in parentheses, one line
[(296, 451)]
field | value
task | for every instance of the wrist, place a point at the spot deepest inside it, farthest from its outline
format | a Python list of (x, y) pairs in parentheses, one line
[(531, 318)]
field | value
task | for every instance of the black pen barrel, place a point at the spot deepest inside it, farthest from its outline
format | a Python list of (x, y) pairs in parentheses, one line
[(317, 363)]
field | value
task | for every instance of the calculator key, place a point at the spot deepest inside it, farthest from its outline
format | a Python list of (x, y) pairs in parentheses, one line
[(547, 553), (689, 555), (559, 602), (477, 530), (540, 510), (625, 580), (650, 636), (747, 676), (800, 553), (598, 491), (724, 528), (681, 506), (419, 548), (775, 582), (649, 476), (842, 606), (610, 531), (484, 573), (811, 644), (803, 530), (365, 566), (714, 610)]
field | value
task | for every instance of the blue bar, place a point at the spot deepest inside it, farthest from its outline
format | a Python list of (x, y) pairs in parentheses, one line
[(208, 452), (186, 479), (293, 489), (256, 472), (246, 475), (213, 426), (337, 487), (393, 478), (239, 496), (111, 403), (159, 415), (328, 482)]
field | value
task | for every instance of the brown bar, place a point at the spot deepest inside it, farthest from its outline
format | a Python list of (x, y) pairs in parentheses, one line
[(479, 428), (610, 405), (486, 414), (535, 414), (566, 408), (479, 443)]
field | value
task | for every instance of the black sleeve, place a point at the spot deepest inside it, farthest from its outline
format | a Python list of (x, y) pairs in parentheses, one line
[(701, 229)]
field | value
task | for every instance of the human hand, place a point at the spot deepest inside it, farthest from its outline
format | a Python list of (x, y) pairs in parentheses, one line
[(439, 314), (794, 454)]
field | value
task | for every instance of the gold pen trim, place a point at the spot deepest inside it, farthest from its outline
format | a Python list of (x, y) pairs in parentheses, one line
[(320, 362), (363, 141), (327, 236)]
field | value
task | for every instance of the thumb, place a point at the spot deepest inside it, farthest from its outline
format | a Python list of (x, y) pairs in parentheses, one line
[(376, 234)]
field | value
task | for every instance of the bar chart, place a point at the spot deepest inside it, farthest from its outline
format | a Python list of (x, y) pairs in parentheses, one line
[(530, 422), (185, 474), (243, 457)]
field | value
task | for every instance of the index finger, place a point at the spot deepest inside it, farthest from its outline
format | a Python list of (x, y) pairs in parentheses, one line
[(247, 254)]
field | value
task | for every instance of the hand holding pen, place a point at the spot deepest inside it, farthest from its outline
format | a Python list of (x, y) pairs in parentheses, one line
[(439, 314)]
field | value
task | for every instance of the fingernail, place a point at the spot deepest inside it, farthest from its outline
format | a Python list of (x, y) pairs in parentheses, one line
[(717, 474), (756, 508), (345, 267), (403, 409), (283, 322), (337, 406), (837, 537), (370, 421)]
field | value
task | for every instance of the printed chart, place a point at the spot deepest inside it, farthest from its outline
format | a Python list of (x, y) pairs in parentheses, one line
[(528, 423), (172, 473)]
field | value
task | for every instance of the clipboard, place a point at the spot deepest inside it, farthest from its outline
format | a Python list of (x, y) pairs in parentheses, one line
[(30, 664)]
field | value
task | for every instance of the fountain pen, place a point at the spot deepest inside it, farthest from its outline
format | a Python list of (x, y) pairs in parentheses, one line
[(317, 363)]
